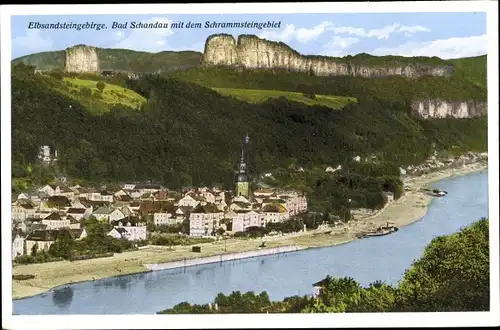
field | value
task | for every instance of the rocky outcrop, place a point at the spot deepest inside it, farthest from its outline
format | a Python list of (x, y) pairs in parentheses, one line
[(253, 52), (449, 109), (81, 59)]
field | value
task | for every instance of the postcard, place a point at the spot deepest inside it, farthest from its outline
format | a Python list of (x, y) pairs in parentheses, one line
[(250, 165)]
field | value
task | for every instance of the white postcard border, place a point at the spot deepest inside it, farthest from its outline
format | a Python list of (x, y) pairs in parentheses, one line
[(268, 320)]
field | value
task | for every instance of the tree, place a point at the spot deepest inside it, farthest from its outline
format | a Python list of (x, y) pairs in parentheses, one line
[(34, 249), (63, 246), (452, 276), (377, 298), (86, 92), (337, 296), (100, 86)]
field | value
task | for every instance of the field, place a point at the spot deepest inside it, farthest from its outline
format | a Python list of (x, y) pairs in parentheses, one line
[(261, 95), (112, 94)]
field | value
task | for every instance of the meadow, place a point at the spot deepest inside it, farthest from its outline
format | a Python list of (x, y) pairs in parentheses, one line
[(262, 95)]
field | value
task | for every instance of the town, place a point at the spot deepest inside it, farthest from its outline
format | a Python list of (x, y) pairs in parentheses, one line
[(136, 209)]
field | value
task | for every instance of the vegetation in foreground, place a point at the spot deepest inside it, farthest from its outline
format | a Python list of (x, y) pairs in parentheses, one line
[(452, 276), (261, 95)]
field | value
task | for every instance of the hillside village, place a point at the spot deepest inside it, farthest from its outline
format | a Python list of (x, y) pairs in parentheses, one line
[(137, 210), (38, 215)]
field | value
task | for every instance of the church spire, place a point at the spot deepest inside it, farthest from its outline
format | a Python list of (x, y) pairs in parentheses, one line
[(243, 168), (243, 178)]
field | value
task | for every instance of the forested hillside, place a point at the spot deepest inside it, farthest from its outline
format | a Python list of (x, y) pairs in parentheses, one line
[(186, 134), (119, 59), (394, 88)]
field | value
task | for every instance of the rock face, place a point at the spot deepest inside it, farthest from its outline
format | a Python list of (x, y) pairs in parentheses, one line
[(252, 52), (447, 109), (81, 59)]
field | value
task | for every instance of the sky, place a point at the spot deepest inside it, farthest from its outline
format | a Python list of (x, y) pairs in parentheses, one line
[(446, 35)]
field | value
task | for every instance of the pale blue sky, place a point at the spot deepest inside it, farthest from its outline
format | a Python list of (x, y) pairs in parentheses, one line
[(446, 35)]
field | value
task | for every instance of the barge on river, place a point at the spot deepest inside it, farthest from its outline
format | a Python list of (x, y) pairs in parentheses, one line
[(381, 231)]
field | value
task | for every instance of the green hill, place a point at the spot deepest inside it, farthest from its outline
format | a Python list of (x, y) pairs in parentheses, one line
[(390, 88), (260, 96), (188, 134), (111, 94), (120, 60), (472, 69)]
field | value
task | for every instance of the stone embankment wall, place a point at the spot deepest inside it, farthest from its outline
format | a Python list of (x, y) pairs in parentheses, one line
[(222, 258)]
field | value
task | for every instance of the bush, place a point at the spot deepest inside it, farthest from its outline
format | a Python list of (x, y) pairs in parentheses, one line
[(311, 96), (22, 277), (100, 86), (95, 256)]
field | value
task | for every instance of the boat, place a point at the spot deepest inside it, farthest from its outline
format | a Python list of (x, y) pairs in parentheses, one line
[(389, 228)]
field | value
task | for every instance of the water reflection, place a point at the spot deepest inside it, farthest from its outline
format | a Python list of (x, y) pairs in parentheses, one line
[(62, 297)]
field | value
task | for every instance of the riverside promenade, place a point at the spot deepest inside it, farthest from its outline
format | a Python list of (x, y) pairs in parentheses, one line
[(222, 257)]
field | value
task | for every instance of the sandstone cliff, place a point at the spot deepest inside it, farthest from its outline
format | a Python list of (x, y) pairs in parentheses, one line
[(81, 59), (252, 52), (447, 109)]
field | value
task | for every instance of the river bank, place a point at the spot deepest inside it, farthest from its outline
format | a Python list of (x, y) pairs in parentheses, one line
[(409, 208)]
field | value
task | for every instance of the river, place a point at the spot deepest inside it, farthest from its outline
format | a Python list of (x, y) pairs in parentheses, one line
[(379, 258)]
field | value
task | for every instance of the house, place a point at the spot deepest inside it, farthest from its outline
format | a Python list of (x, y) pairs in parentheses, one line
[(295, 204), (78, 233), (121, 192), (123, 199), (78, 213), (239, 206), (74, 223), (147, 188), (56, 220), (67, 192), (244, 219), (108, 214), (21, 226), (241, 199), (126, 210), (129, 228), (208, 196), (43, 239), (128, 186), (58, 202), (204, 220), (181, 213), (106, 196), (17, 245), (188, 201), (162, 217), (275, 213), (22, 210), (388, 196), (318, 286), (134, 193), (78, 205), (50, 190)]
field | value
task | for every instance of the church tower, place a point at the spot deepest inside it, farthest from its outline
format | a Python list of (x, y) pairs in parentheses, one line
[(242, 178)]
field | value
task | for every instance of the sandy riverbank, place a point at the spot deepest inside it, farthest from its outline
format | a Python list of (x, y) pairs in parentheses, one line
[(409, 208)]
